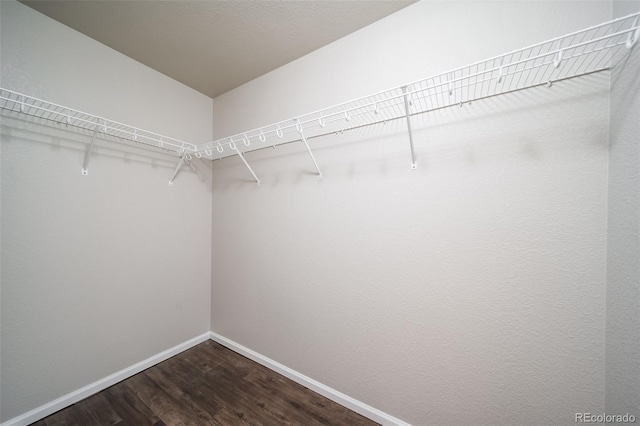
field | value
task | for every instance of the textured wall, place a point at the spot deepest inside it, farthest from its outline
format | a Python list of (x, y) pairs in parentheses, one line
[(623, 250), (99, 271), (469, 291)]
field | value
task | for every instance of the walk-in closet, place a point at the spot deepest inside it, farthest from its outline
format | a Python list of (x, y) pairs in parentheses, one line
[(319, 212)]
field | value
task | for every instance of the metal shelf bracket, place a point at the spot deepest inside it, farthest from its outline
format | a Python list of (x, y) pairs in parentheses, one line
[(233, 146), (408, 114), (306, 144), (87, 155), (633, 37), (177, 169)]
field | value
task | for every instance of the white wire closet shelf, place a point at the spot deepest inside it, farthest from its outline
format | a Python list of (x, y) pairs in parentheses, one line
[(38, 108), (583, 52), (97, 126), (587, 51)]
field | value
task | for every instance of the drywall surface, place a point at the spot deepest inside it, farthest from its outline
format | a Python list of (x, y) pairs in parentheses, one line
[(99, 271), (623, 249), (468, 291)]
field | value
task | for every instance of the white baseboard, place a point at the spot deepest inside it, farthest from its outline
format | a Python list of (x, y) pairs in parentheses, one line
[(95, 387), (75, 396), (342, 399)]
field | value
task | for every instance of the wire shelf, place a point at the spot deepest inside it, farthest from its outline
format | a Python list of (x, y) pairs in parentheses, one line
[(583, 52), (107, 129), (587, 51)]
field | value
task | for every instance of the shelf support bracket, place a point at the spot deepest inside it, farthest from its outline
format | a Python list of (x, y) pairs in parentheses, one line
[(408, 113), (306, 144), (633, 37), (175, 172), (87, 155), (241, 155)]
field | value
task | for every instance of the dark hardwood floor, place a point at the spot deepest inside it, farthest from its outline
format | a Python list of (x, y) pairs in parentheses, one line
[(206, 385)]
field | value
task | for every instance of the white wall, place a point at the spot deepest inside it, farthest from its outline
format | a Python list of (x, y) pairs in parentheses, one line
[(623, 249), (469, 291), (99, 271)]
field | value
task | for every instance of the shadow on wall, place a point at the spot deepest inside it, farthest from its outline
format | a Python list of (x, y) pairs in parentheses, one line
[(628, 96), (18, 128), (524, 126)]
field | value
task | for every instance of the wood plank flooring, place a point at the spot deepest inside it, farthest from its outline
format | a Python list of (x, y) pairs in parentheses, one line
[(206, 385)]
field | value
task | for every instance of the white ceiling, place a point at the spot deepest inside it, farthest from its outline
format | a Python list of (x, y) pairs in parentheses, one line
[(214, 46)]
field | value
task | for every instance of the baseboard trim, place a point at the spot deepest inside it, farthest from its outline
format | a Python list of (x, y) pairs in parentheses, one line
[(324, 390), (95, 387)]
